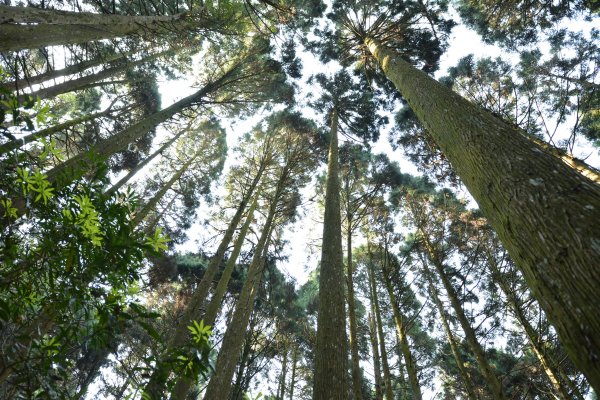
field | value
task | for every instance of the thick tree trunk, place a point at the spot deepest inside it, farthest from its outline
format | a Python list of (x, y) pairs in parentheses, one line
[(548, 365), (376, 360), (114, 188), (401, 329), (494, 385), (43, 133), (356, 372), (545, 213), (330, 381), (220, 383), (389, 394), (193, 310), (466, 378), (30, 28)]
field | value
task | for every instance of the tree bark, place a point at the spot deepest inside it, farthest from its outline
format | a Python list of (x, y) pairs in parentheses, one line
[(281, 390), (389, 394), (330, 381), (466, 378), (494, 385), (30, 28), (220, 383), (401, 329), (294, 364), (376, 361), (212, 310), (193, 310), (77, 68), (356, 372), (544, 212), (549, 367), (43, 133), (87, 81)]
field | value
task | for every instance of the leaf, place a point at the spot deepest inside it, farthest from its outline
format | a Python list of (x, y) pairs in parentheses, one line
[(150, 330)]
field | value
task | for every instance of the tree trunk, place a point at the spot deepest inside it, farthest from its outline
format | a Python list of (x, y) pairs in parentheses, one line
[(294, 364), (548, 365), (281, 389), (151, 204), (330, 352), (212, 310), (77, 166), (356, 372), (43, 133), (389, 394), (220, 383), (30, 28), (401, 330), (544, 212), (376, 361), (113, 189), (466, 378), (87, 81), (78, 68), (193, 310), (494, 385)]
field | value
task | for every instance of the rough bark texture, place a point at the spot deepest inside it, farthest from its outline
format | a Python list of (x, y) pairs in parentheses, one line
[(356, 372), (30, 28), (549, 367), (545, 212), (494, 385), (219, 386), (330, 380)]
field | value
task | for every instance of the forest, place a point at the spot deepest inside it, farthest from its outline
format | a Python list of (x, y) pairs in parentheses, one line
[(277, 199)]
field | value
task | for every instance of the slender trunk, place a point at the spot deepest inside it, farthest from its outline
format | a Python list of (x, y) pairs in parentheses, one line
[(150, 227), (30, 28), (212, 310), (356, 372), (494, 385), (376, 361), (544, 212), (220, 383), (401, 330), (547, 364), (87, 81), (281, 390), (141, 165), (466, 378), (294, 364), (151, 204), (43, 133), (70, 70), (330, 352), (78, 165), (389, 394), (193, 309)]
